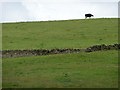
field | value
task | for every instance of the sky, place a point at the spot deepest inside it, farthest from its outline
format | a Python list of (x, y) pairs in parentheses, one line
[(45, 10)]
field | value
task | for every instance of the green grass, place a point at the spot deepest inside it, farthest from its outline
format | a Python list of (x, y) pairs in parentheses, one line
[(82, 70), (60, 34)]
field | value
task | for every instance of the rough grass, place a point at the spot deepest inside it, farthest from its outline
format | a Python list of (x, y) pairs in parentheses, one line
[(82, 70), (60, 34)]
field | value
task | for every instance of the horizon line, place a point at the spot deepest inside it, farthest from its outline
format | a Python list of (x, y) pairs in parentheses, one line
[(57, 20)]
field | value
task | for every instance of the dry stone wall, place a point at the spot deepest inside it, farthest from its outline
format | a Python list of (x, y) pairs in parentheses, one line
[(22, 53), (103, 47)]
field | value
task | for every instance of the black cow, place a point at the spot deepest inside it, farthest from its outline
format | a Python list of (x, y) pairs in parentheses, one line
[(88, 15)]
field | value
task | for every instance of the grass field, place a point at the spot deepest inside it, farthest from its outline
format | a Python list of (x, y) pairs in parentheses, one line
[(79, 70), (60, 34), (82, 70)]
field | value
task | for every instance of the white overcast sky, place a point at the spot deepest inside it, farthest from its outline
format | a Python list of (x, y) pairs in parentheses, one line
[(43, 10)]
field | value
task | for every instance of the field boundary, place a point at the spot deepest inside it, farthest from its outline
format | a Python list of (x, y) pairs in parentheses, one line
[(38, 52)]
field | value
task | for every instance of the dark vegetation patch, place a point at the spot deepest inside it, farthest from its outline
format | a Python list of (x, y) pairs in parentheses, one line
[(22, 53)]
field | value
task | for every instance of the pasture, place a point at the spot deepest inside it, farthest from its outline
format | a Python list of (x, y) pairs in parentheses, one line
[(76, 70), (59, 34), (82, 70)]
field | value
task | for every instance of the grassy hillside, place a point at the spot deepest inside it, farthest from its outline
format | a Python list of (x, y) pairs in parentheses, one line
[(82, 70), (60, 34)]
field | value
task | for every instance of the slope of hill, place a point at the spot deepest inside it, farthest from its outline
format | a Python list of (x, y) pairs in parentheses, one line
[(81, 70), (60, 34), (76, 70)]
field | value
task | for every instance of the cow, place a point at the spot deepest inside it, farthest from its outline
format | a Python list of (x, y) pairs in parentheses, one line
[(88, 15)]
